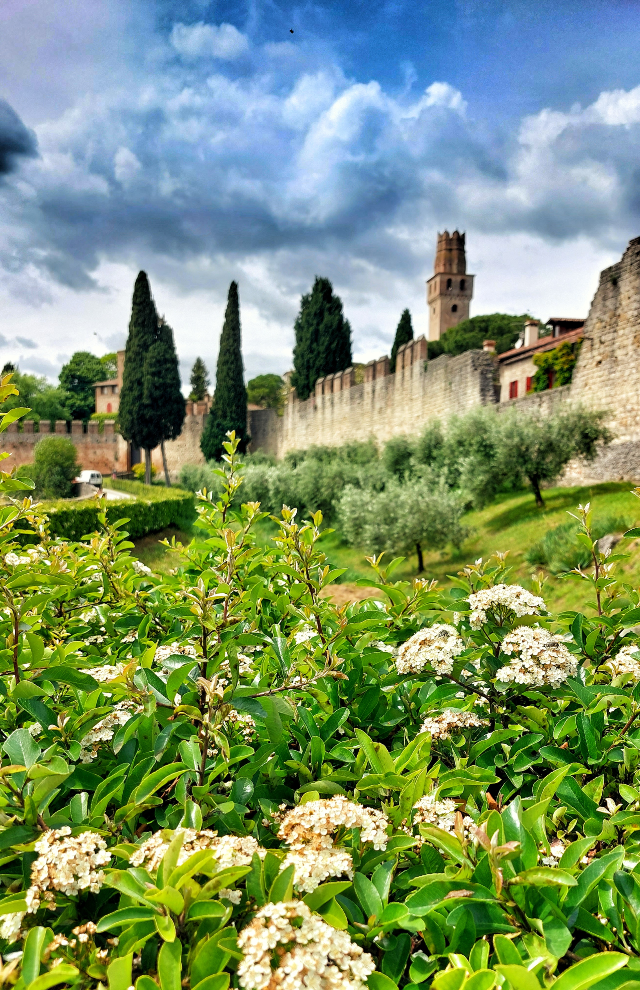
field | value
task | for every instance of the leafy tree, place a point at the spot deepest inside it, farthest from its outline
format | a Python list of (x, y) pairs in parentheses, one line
[(199, 380), (323, 338), (162, 388), (267, 391), (537, 448), (469, 334), (77, 378), (8, 369), (140, 421), (44, 400), (561, 361), (397, 456), (402, 518), (404, 333), (229, 409), (55, 466), (110, 364)]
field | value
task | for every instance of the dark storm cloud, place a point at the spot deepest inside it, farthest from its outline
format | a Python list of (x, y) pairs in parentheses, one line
[(16, 140)]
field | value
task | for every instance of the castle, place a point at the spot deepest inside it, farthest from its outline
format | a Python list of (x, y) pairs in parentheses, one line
[(383, 405)]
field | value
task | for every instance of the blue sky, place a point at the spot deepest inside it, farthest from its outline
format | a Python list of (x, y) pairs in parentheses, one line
[(204, 142)]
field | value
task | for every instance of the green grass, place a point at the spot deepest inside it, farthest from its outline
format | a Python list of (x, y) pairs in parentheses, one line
[(512, 523)]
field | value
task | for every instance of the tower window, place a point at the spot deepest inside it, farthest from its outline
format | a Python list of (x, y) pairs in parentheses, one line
[(454, 308), (462, 284), (434, 310), (449, 283)]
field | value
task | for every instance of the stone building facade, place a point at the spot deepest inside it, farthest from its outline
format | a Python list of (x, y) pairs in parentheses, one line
[(450, 288)]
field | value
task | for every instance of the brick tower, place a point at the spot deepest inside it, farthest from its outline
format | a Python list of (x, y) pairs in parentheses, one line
[(449, 290)]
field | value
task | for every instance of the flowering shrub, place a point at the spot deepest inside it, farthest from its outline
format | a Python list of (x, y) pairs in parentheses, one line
[(220, 779)]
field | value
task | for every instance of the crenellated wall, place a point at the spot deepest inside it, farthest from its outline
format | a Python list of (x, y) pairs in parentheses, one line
[(97, 450)]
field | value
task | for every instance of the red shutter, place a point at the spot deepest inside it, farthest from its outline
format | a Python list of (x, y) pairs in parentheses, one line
[(513, 390), (529, 383)]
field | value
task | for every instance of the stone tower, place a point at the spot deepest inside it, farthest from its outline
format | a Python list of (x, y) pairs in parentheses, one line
[(449, 290)]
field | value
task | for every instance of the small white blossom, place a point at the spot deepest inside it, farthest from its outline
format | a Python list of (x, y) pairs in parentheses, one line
[(314, 823), (451, 720), (68, 863), (289, 948), (626, 661), (313, 866), (305, 634), (229, 850), (141, 568), (169, 649), (539, 659), (436, 645), (105, 673), (13, 560), (105, 729), (503, 601), (556, 849), (234, 896), (429, 811)]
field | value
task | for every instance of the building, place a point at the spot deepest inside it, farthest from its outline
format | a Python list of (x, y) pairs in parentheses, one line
[(450, 288), (108, 393), (516, 366)]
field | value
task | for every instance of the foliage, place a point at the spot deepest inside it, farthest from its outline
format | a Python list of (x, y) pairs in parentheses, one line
[(404, 333), (402, 517), (199, 380), (397, 456), (139, 471), (45, 401), (561, 361), (469, 334), (560, 549), (77, 378), (102, 418), (163, 390), (267, 391), (55, 466), (323, 338), (229, 409), (187, 757)]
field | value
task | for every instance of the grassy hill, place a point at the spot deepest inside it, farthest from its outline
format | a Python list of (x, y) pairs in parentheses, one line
[(512, 523)]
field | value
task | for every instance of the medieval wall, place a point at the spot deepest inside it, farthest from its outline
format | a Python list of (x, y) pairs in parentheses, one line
[(95, 450)]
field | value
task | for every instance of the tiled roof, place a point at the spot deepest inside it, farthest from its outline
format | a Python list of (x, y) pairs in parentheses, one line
[(543, 344)]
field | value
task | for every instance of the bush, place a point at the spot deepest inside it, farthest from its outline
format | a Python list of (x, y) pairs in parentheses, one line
[(561, 550), (138, 470), (55, 466), (219, 778), (195, 477)]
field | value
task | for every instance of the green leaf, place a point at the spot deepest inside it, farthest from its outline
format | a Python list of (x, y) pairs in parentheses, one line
[(64, 973), (333, 914), (69, 675), (519, 977), (282, 886), (157, 779), (170, 965), (21, 748), (165, 927), (546, 876), (218, 982), (125, 916), (451, 979), (325, 892), (119, 972), (591, 970), (31, 956), (483, 979), (378, 981), (592, 875), (367, 895)]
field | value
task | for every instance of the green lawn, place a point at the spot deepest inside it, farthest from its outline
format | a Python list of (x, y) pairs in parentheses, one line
[(512, 522)]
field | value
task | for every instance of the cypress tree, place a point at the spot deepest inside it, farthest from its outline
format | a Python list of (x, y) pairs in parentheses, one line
[(404, 334), (140, 423), (199, 380), (162, 387), (229, 409), (323, 338)]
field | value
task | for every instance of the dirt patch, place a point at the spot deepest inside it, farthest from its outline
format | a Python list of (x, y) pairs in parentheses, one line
[(342, 594)]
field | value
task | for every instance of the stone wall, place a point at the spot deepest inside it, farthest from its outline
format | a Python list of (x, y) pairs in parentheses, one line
[(95, 449)]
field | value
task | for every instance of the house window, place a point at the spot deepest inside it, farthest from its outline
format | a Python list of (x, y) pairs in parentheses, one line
[(529, 382), (449, 283), (115, 390), (108, 407), (454, 308), (103, 389), (513, 390), (462, 284)]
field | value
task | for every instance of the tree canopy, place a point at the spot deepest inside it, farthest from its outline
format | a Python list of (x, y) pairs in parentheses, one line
[(323, 338), (404, 333), (470, 334), (44, 400), (78, 376), (162, 386), (267, 391), (229, 408), (199, 380)]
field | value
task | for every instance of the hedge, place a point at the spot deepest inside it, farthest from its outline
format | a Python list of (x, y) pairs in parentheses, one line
[(153, 509)]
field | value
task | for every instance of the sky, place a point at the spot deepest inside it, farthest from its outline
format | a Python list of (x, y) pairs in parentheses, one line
[(269, 142)]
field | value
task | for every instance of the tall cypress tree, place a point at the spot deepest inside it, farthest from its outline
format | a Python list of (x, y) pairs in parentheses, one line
[(162, 387), (323, 338), (139, 420), (199, 380), (229, 409), (404, 334)]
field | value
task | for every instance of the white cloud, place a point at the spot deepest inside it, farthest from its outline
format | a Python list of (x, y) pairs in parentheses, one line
[(126, 165), (201, 40)]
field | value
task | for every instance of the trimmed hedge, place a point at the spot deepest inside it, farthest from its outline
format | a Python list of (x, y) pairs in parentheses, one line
[(153, 509)]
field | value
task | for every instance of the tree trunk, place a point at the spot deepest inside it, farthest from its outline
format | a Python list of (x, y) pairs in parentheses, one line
[(165, 465), (147, 466), (420, 560), (536, 491)]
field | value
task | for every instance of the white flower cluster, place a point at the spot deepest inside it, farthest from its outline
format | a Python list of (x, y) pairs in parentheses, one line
[(14, 560), (429, 811), (384, 647), (242, 722), (105, 729), (169, 649), (105, 673), (309, 829), (540, 659), (503, 600), (314, 823), (437, 645), (305, 634), (626, 661), (286, 947), (69, 863), (141, 568), (556, 849), (229, 850), (451, 720)]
